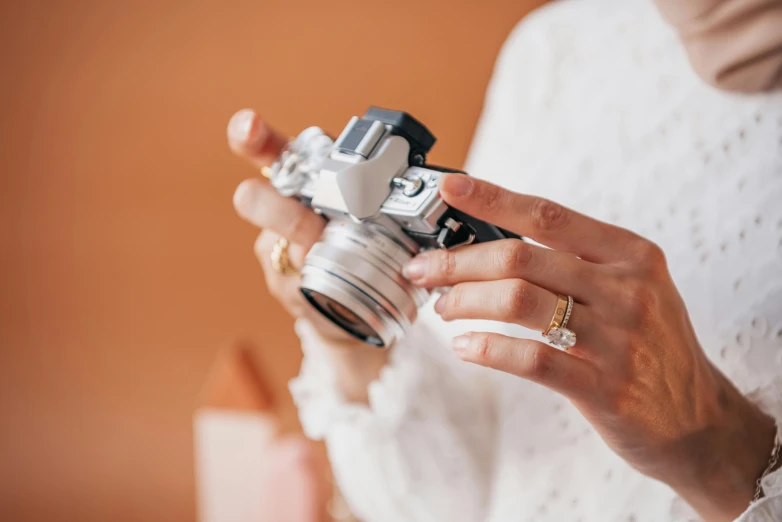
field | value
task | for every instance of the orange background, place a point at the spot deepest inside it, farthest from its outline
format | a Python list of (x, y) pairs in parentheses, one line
[(123, 265)]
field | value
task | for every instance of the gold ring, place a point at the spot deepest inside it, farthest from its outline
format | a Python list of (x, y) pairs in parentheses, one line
[(557, 332), (281, 261), (559, 314)]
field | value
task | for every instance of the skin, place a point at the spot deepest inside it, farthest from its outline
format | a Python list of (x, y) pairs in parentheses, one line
[(637, 372), (259, 203)]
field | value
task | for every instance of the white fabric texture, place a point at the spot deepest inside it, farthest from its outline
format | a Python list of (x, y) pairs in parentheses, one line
[(594, 105)]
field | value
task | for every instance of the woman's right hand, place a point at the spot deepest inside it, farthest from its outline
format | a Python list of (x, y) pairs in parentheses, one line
[(257, 202)]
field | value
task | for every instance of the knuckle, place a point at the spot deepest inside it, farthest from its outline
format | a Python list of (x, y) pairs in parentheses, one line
[(297, 226), (262, 245), (519, 300), (274, 285), (453, 302), (627, 341), (640, 299), (538, 362), (648, 254), (515, 255), (613, 399), (296, 307), (546, 215), (493, 199), (445, 265), (617, 396), (482, 347)]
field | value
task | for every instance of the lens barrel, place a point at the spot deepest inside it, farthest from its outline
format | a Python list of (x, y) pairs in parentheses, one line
[(353, 276)]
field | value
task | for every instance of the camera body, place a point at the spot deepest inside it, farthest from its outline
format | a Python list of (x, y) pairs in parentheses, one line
[(383, 205)]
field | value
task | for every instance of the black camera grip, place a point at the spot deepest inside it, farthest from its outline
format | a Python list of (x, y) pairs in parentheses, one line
[(484, 231)]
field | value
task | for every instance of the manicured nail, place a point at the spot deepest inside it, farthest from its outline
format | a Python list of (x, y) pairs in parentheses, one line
[(457, 184), (460, 343), (439, 305), (241, 125), (416, 267), (246, 199)]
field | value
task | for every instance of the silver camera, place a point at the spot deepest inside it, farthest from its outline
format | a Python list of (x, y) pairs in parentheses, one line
[(383, 205)]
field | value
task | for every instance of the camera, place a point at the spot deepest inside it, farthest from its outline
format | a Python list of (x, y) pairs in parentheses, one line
[(383, 206)]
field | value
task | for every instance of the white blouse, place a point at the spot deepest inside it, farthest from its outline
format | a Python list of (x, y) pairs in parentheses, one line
[(592, 104)]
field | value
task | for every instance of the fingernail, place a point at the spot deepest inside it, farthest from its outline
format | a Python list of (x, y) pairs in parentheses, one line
[(245, 198), (416, 267), (457, 184), (460, 343), (439, 305), (241, 125)]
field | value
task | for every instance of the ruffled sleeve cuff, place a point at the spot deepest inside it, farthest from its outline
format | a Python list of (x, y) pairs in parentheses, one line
[(768, 508), (322, 406), (421, 448)]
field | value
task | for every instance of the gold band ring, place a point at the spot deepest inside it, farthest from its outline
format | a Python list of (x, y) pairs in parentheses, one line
[(281, 261), (559, 314), (557, 333)]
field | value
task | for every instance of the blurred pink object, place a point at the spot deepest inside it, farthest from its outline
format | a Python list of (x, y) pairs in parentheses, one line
[(294, 487), (246, 471)]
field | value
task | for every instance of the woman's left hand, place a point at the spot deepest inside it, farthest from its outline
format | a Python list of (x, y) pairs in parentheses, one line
[(637, 372)]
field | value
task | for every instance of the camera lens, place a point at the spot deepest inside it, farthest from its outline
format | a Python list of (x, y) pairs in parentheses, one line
[(353, 276), (343, 317)]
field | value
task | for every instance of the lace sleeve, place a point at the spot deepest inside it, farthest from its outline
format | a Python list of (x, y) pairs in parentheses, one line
[(417, 452), (769, 508)]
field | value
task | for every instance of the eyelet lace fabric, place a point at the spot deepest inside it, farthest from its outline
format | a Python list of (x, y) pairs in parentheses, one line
[(592, 104)]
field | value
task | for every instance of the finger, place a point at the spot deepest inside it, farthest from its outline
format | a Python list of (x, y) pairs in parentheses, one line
[(287, 288), (540, 219), (265, 243), (514, 301), (250, 138), (560, 272), (560, 371), (260, 204), (284, 288)]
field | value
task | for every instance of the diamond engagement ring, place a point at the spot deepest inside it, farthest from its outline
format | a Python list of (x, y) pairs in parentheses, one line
[(557, 333)]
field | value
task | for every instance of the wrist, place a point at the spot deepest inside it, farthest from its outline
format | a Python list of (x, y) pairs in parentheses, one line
[(355, 367), (354, 364), (724, 461)]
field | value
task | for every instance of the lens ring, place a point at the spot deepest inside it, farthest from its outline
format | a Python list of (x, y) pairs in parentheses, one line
[(393, 302), (327, 284), (359, 267), (370, 243)]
